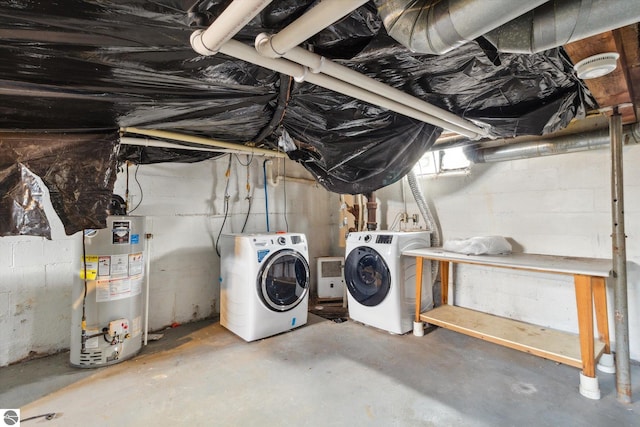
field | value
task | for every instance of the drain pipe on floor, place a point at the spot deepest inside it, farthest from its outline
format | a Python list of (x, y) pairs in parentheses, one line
[(619, 256)]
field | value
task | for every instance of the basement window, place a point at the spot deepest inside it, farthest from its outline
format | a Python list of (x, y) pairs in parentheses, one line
[(443, 162)]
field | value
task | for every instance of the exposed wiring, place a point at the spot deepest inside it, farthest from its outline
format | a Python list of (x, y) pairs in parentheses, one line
[(83, 325), (249, 159), (266, 194), (48, 416), (248, 187), (135, 176), (284, 190), (227, 175), (396, 221)]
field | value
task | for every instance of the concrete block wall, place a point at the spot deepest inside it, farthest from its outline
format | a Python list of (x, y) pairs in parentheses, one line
[(184, 205), (550, 205)]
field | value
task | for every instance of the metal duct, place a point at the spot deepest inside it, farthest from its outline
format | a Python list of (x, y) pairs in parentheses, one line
[(438, 26), (546, 147), (559, 22)]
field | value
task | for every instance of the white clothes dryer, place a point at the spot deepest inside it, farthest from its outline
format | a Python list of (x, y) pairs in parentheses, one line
[(381, 282), (264, 283)]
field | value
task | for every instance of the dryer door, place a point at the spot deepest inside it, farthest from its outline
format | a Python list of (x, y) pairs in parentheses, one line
[(283, 281), (367, 276)]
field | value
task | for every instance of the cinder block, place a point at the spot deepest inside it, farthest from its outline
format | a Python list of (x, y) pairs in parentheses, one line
[(28, 252)]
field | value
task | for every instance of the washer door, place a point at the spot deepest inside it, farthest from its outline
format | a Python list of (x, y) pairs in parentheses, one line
[(367, 276), (283, 281)]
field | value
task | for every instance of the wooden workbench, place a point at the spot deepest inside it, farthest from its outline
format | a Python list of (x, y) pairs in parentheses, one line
[(581, 351)]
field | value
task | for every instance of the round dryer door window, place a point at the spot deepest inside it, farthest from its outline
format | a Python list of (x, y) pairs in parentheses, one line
[(367, 276), (284, 280)]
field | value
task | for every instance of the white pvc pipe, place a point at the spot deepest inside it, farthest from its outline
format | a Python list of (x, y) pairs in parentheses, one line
[(238, 14), (320, 64), (229, 146), (274, 180), (246, 53), (316, 19), (148, 237)]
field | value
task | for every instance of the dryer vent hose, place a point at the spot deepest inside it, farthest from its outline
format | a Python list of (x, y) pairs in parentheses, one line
[(429, 219), (424, 209)]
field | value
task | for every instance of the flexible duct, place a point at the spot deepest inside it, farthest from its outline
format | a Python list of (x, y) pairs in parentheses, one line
[(559, 22), (424, 209), (438, 26), (429, 219), (546, 147)]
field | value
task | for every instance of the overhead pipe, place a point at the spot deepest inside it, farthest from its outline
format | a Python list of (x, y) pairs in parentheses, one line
[(619, 257), (229, 146), (439, 26), (593, 140), (235, 16), (246, 53), (146, 142), (285, 44), (319, 64), (559, 22), (274, 179), (326, 9), (320, 16)]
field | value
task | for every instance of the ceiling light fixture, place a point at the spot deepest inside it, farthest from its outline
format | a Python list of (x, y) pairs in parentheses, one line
[(596, 65)]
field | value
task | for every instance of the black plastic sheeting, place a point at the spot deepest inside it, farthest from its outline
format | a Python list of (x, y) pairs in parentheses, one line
[(79, 171), (96, 66)]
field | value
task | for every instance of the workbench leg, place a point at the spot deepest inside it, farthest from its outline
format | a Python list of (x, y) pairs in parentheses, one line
[(584, 302), (419, 262), (444, 281), (606, 362)]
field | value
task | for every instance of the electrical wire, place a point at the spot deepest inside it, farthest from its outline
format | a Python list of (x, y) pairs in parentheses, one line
[(266, 194), (226, 204), (83, 325), (248, 187), (284, 190), (135, 176)]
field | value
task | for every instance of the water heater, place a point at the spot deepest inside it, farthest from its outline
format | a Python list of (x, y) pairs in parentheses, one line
[(107, 305)]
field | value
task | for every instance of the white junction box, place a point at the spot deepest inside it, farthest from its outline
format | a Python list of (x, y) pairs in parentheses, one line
[(331, 277)]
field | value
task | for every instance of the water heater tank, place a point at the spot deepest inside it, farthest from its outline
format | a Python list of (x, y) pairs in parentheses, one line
[(108, 293)]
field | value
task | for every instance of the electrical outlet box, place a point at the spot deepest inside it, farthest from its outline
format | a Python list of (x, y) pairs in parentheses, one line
[(118, 327)]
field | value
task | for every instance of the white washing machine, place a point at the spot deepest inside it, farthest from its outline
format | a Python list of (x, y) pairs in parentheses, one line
[(264, 283), (381, 282)]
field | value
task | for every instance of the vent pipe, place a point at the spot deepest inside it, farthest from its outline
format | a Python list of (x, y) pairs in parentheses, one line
[(559, 22), (438, 26), (593, 140)]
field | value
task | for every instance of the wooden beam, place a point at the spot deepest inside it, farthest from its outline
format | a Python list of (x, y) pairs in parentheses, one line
[(612, 89)]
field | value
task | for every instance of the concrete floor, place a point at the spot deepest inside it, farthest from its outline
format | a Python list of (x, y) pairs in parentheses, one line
[(322, 374)]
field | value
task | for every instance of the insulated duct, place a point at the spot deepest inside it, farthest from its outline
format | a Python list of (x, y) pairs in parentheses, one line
[(559, 22), (438, 26), (546, 147)]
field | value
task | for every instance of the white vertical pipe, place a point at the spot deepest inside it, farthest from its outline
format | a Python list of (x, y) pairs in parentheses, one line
[(148, 237)]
